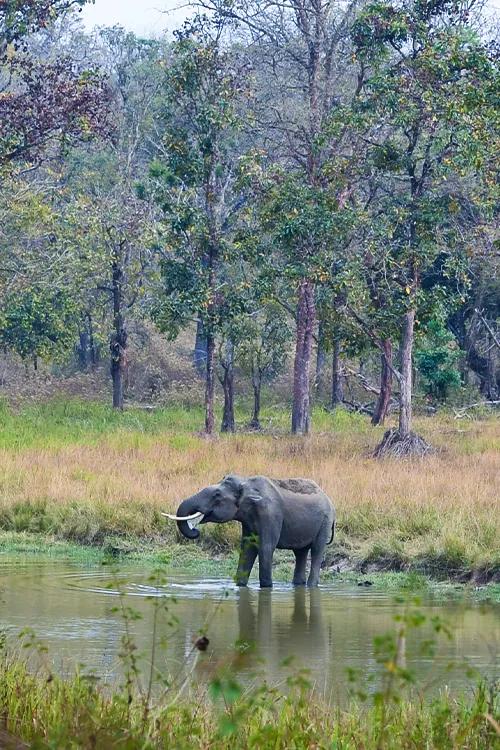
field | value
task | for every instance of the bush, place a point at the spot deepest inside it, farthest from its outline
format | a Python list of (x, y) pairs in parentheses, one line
[(436, 358)]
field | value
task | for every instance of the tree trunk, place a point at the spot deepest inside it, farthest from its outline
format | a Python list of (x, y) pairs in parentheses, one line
[(405, 385), (200, 349), (491, 389), (88, 355), (337, 376), (256, 384), (94, 348), (320, 357), (210, 385), (84, 350), (301, 416), (385, 394), (118, 341), (228, 388)]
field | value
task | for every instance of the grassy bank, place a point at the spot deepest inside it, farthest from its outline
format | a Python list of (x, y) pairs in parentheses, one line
[(81, 473), (48, 713)]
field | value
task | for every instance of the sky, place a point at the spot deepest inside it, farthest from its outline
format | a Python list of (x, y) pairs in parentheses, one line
[(145, 17), (151, 17)]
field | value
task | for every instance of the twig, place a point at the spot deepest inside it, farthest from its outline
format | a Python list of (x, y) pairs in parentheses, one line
[(460, 413), (364, 382)]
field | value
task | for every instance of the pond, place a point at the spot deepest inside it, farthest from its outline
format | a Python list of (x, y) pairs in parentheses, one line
[(74, 610)]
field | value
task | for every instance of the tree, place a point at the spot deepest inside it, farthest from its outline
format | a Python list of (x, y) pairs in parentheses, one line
[(108, 225), (226, 363), (38, 323), (49, 101), (436, 358), (474, 322), (300, 222), (46, 106), (114, 234), (432, 82), (43, 101), (194, 180), (19, 18), (39, 307), (263, 351), (299, 52)]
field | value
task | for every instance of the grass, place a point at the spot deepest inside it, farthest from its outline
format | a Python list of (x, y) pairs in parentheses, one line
[(80, 472), (50, 713)]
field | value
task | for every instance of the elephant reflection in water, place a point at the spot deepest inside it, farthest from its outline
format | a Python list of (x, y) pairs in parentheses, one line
[(302, 636)]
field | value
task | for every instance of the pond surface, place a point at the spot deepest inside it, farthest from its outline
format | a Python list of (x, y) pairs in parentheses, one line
[(72, 610)]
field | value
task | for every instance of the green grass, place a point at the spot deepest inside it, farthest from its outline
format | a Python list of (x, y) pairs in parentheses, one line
[(52, 714), (58, 422)]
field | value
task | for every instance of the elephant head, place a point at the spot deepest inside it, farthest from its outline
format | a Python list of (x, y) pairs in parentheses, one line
[(217, 503)]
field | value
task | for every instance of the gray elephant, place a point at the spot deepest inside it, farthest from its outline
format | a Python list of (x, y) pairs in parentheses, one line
[(274, 513)]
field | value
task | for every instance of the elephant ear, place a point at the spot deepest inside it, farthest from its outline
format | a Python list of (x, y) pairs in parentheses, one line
[(235, 484)]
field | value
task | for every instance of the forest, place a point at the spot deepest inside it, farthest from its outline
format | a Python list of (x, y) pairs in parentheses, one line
[(255, 256), (307, 192)]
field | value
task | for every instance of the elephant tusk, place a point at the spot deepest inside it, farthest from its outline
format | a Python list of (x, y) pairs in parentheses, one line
[(183, 518)]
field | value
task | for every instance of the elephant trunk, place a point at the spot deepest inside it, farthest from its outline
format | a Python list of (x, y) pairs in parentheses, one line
[(187, 508)]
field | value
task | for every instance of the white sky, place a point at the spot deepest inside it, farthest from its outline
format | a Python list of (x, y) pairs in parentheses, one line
[(145, 17), (151, 17)]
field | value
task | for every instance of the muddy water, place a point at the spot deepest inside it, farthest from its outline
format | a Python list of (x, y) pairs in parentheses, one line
[(71, 610)]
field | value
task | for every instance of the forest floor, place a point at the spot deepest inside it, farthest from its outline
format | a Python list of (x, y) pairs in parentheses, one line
[(76, 472)]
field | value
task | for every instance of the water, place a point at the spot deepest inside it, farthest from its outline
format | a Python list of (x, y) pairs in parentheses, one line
[(70, 608)]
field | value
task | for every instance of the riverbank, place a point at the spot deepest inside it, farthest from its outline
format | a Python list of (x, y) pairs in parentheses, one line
[(80, 473), (198, 561), (45, 712)]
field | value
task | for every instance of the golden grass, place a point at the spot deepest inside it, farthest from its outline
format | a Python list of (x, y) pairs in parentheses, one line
[(440, 512)]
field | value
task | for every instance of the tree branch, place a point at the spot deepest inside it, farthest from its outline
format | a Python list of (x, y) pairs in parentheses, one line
[(488, 327)]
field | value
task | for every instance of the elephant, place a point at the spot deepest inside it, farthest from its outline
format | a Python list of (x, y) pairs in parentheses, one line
[(274, 513)]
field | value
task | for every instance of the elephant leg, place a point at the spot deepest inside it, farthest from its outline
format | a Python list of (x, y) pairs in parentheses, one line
[(316, 560), (317, 553), (266, 551), (267, 524), (299, 576), (248, 553)]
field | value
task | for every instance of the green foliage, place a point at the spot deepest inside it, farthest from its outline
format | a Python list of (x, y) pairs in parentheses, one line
[(38, 322), (21, 17), (304, 226), (436, 357), (379, 26), (264, 342), (194, 183)]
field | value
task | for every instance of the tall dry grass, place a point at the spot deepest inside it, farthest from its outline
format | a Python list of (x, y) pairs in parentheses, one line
[(440, 514)]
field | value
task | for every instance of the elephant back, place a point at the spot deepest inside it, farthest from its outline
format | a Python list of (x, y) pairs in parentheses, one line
[(298, 485)]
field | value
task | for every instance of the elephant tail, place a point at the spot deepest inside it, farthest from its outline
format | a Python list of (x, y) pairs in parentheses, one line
[(333, 533)]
